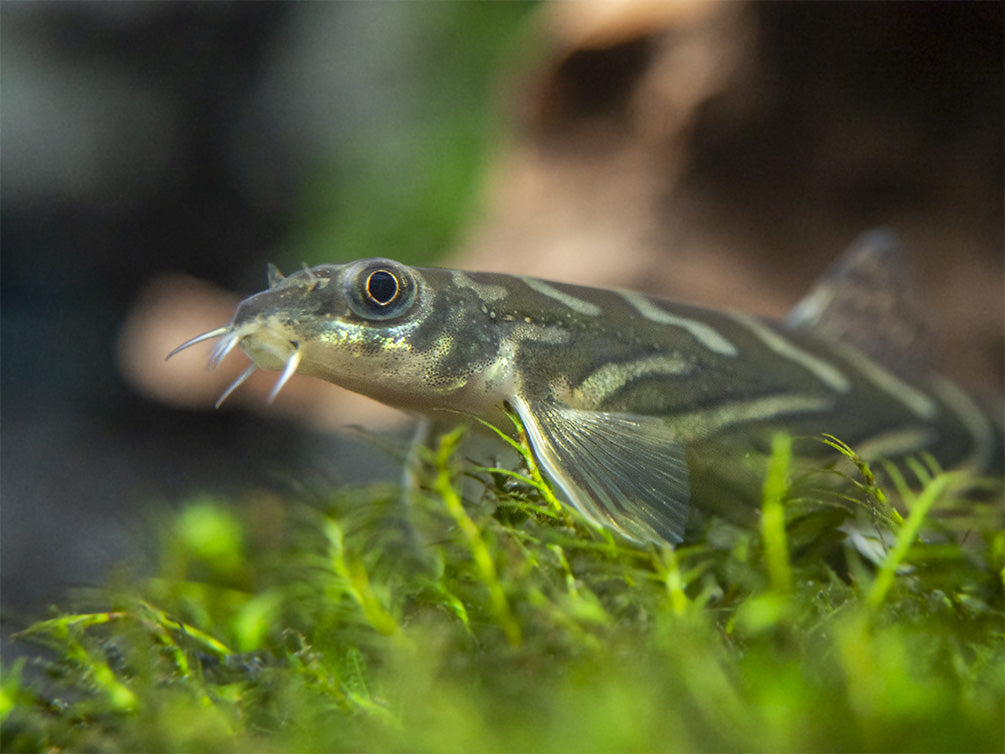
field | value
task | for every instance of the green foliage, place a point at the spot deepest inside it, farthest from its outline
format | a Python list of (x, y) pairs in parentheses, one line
[(477, 615), (401, 179)]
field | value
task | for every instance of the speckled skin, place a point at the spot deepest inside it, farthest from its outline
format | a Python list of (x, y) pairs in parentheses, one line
[(610, 377), (472, 346)]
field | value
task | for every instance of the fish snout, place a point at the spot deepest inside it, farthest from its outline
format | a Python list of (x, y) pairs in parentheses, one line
[(268, 346)]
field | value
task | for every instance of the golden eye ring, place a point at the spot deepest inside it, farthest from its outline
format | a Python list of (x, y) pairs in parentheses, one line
[(379, 289), (382, 287)]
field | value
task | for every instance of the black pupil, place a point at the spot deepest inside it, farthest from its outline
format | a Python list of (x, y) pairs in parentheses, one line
[(382, 287)]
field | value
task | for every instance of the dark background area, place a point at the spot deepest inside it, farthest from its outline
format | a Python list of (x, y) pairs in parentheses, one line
[(141, 138)]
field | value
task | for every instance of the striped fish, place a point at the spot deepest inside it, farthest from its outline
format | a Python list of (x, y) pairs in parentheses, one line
[(640, 410)]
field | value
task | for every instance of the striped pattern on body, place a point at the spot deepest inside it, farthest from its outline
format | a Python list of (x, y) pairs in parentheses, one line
[(706, 372), (631, 403)]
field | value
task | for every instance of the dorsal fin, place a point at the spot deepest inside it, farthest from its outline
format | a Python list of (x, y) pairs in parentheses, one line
[(869, 299)]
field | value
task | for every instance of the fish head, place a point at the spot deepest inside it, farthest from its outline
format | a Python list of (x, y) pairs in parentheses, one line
[(374, 326)]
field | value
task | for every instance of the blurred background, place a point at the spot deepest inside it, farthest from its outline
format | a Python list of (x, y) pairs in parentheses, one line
[(156, 155)]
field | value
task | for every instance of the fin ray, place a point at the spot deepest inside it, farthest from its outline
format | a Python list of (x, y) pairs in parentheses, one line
[(868, 299), (623, 471)]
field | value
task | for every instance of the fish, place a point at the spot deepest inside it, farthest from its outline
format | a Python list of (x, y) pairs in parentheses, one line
[(646, 414)]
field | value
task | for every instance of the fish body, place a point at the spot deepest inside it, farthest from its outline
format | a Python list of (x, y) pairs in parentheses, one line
[(639, 409)]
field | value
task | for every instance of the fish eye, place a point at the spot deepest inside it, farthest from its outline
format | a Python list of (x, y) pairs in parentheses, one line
[(378, 289), (382, 287)]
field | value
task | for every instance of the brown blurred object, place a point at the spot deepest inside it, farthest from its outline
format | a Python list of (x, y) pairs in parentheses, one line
[(722, 154), (725, 153), (174, 308)]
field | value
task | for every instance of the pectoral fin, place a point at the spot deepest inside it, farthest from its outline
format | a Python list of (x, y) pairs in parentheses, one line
[(623, 471)]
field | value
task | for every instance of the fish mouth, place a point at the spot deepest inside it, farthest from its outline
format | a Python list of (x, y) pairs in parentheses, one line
[(267, 347)]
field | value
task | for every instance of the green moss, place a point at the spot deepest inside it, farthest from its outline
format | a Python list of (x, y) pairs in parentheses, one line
[(359, 622)]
